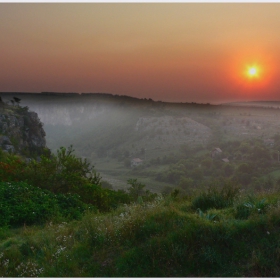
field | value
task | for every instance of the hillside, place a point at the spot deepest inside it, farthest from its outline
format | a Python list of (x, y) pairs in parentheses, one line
[(205, 202), (262, 104), (111, 130), (169, 237)]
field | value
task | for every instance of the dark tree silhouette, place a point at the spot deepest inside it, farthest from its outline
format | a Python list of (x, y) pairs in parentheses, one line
[(17, 100), (2, 103)]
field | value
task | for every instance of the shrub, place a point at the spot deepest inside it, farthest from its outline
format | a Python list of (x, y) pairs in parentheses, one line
[(252, 205), (102, 199), (61, 173), (215, 197), (65, 174), (136, 190), (21, 203), (12, 168)]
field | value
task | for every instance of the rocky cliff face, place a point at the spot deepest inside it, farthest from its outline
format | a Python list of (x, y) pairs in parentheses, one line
[(21, 131)]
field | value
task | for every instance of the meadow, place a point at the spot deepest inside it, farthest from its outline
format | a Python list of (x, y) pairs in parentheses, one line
[(219, 232)]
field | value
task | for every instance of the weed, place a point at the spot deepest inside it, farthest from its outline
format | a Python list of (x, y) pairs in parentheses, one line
[(252, 205), (216, 198), (208, 216)]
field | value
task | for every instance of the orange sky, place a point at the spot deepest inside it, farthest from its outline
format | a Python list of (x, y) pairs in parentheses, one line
[(165, 51)]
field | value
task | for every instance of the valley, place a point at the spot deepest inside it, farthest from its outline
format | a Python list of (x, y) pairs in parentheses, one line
[(173, 141)]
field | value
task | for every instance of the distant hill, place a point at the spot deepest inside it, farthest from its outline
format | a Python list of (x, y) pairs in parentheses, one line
[(111, 130), (105, 121), (100, 124), (264, 104)]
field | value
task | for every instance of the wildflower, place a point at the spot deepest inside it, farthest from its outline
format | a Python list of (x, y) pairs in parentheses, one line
[(6, 262), (60, 249)]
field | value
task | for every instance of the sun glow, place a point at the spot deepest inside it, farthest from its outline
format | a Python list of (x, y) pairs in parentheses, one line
[(253, 71), (252, 74)]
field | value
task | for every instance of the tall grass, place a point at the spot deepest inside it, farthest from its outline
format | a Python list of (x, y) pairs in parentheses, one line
[(153, 239), (216, 197)]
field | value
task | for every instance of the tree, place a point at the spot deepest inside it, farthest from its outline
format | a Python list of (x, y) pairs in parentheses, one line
[(136, 188), (244, 168), (17, 100), (186, 183), (228, 169), (62, 173), (244, 147), (206, 163), (197, 174)]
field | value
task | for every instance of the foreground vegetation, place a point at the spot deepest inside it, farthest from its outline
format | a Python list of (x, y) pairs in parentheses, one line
[(217, 232)]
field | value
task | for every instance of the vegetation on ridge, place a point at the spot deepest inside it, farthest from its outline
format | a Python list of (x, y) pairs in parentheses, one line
[(167, 237)]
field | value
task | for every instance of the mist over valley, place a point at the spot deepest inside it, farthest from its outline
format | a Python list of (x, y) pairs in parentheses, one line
[(173, 142)]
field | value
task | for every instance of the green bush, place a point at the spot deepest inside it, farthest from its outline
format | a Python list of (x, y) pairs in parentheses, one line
[(60, 173), (216, 197), (252, 205), (21, 203), (63, 173), (102, 199), (137, 193)]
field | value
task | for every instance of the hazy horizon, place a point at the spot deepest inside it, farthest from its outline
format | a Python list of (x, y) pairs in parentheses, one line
[(174, 52)]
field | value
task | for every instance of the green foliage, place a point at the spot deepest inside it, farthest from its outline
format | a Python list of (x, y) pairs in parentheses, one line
[(206, 163), (136, 188), (248, 160), (186, 184), (207, 216), (154, 239), (106, 185), (103, 199), (63, 173), (12, 168), (21, 203), (244, 168), (251, 206), (215, 197), (228, 169)]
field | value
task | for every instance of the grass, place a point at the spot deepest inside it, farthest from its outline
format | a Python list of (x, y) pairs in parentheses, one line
[(165, 238), (115, 170), (274, 174)]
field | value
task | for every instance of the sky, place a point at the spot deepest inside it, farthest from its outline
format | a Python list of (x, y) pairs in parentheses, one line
[(176, 52)]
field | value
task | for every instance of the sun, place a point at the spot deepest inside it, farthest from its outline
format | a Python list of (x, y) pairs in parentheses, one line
[(253, 71)]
